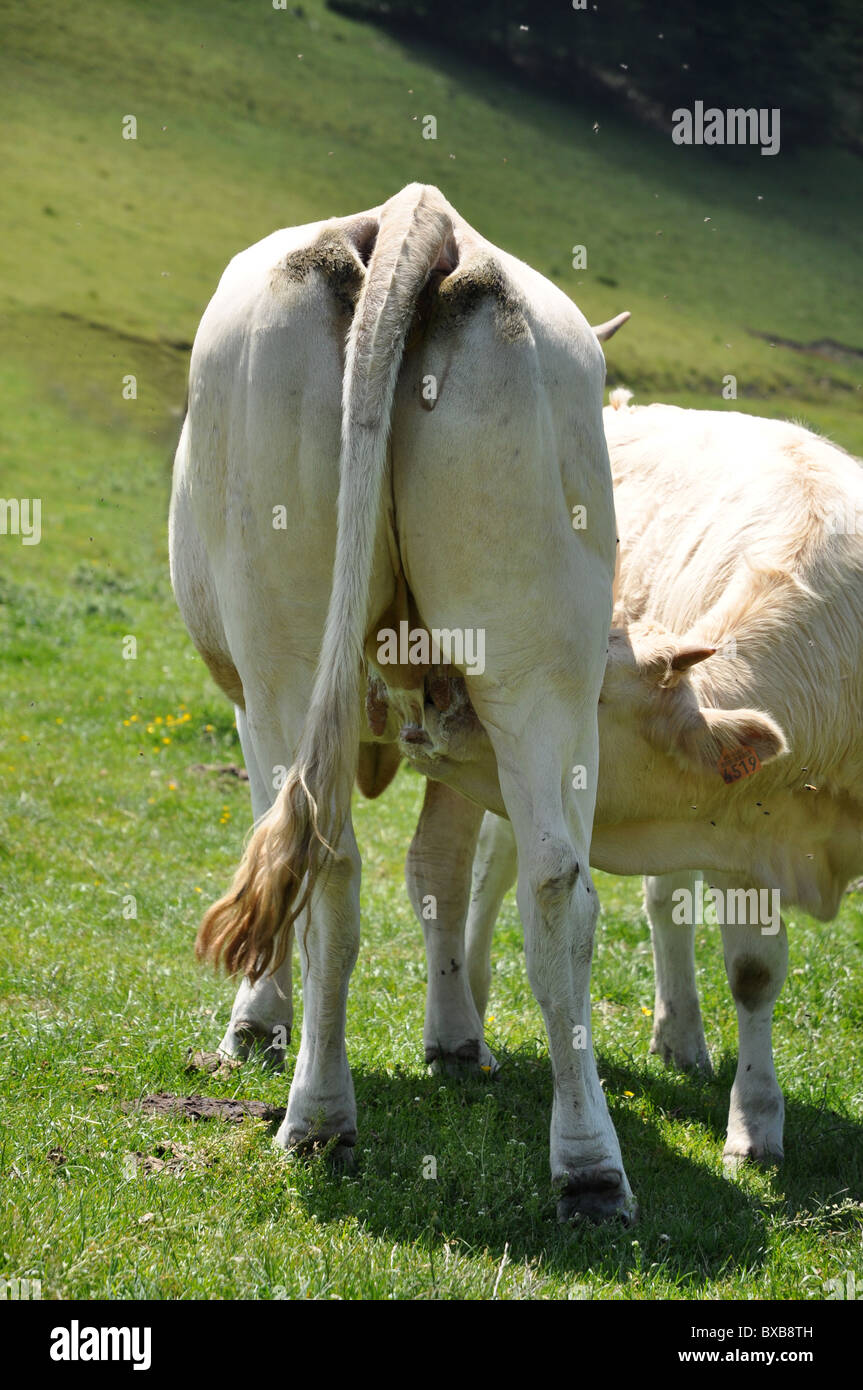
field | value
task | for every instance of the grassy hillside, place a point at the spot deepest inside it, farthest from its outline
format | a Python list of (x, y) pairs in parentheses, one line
[(251, 118), (111, 251)]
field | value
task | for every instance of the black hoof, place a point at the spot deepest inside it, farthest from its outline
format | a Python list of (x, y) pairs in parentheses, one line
[(466, 1060), (597, 1201)]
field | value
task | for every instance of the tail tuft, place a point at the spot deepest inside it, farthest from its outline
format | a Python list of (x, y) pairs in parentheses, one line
[(248, 929)]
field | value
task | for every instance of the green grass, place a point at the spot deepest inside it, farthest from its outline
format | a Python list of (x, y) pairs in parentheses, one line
[(93, 807), (238, 134)]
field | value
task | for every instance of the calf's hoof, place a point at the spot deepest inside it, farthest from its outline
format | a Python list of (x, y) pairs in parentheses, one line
[(470, 1059), (596, 1198), (684, 1055), (734, 1160), (267, 1042)]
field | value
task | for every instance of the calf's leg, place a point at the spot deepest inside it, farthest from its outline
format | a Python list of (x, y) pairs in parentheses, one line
[(495, 868), (756, 961), (678, 1030), (438, 872)]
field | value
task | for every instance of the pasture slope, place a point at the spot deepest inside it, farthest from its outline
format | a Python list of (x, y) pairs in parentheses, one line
[(250, 119)]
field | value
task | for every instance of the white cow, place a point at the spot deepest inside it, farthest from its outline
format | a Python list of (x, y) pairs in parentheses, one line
[(444, 401), (741, 540)]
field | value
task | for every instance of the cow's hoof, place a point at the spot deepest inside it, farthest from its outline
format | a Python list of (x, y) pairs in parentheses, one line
[(733, 1161), (685, 1056), (339, 1158), (338, 1155), (597, 1199), (317, 1139), (470, 1059), (266, 1042)]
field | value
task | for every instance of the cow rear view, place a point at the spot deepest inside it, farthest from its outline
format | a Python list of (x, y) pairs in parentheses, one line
[(390, 423)]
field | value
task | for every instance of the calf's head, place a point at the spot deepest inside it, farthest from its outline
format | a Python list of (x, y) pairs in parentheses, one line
[(658, 743)]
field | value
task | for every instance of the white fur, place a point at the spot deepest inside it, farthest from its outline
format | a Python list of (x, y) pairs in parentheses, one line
[(471, 503), (726, 540)]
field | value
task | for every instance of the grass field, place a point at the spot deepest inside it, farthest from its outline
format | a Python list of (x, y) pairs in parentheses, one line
[(112, 249)]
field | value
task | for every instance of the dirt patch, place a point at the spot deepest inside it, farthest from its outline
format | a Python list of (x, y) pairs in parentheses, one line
[(166, 1158), (447, 305), (822, 347), (211, 1062), (207, 1108), (225, 770)]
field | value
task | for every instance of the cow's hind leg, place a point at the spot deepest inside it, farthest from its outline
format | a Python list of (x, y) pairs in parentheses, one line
[(321, 1106), (438, 872), (678, 1030), (262, 1015), (495, 867), (321, 1103), (756, 961), (559, 910)]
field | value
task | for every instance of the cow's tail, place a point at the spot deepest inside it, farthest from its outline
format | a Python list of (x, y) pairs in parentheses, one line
[(248, 928)]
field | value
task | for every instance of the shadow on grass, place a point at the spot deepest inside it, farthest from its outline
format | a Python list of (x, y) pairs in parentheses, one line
[(810, 1128), (464, 1161), (489, 1146)]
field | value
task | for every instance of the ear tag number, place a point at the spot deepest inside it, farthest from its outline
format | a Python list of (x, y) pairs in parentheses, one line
[(736, 763)]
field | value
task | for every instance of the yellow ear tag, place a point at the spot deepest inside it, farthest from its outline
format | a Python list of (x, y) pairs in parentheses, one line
[(736, 763)]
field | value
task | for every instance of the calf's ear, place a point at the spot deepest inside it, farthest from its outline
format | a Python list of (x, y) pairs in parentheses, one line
[(742, 739)]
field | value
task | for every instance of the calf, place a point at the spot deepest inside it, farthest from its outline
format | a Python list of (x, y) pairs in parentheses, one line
[(738, 642)]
